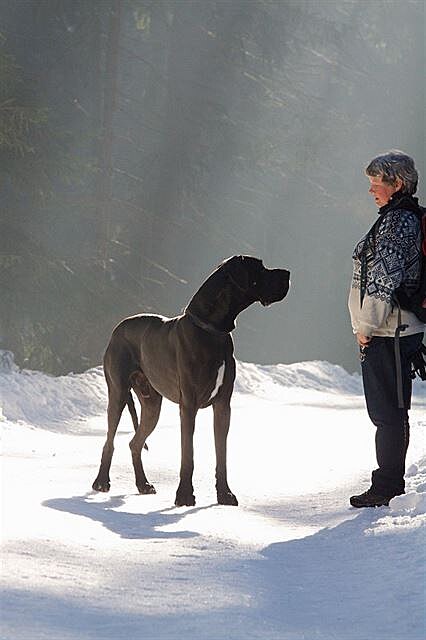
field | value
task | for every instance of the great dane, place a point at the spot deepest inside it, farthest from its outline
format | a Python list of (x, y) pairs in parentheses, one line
[(189, 360)]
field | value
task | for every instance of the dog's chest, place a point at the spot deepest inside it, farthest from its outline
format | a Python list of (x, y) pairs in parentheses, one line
[(219, 381)]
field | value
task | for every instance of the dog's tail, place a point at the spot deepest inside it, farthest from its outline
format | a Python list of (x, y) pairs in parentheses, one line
[(132, 411)]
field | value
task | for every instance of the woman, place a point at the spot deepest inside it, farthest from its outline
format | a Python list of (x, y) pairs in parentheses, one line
[(386, 260)]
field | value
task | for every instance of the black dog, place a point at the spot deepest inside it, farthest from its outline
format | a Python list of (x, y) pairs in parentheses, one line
[(189, 360)]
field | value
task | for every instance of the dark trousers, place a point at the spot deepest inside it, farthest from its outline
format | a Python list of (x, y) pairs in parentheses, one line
[(380, 390)]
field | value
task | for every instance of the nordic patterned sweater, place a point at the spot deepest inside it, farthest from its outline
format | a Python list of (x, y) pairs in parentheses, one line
[(392, 259)]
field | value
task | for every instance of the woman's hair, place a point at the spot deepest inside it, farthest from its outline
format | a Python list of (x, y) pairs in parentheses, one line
[(392, 165)]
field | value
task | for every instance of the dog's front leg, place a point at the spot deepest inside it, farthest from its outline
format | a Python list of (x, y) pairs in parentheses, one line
[(185, 492), (222, 416)]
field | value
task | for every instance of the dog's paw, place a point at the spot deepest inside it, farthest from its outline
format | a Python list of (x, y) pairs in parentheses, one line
[(103, 486), (146, 488), (227, 497), (184, 500)]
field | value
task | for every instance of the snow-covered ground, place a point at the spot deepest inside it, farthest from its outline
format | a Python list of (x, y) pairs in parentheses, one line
[(294, 561)]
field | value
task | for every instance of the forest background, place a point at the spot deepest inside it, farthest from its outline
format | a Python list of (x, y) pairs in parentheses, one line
[(144, 141)]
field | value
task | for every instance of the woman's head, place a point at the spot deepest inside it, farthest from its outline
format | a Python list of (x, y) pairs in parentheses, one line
[(396, 170)]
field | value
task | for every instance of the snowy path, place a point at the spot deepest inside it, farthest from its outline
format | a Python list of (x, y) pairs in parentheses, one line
[(293, 561)]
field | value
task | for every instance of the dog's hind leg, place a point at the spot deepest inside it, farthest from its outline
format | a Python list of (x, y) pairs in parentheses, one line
[(117, 399), (150, 411), (117, 368), (222, 415)]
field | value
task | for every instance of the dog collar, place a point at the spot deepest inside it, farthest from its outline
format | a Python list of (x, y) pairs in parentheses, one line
[(206, 326)]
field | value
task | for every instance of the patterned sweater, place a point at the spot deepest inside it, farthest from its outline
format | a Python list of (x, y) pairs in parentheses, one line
[(392, 257)]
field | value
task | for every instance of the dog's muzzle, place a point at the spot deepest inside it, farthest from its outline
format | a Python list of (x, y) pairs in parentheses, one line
[(275, 286)]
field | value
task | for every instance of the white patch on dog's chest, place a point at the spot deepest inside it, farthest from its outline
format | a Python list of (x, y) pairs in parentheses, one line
[(219, 380)]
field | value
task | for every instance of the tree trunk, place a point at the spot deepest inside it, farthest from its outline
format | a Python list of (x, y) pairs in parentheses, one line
[(104, 190)]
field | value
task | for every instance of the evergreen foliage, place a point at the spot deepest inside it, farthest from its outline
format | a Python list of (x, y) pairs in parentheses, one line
[(142, 142)]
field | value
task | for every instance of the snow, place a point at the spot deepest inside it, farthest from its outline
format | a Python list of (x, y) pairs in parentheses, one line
[(294, 561)]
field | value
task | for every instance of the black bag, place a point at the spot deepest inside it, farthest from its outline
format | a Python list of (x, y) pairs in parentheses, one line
[(416, 302), (418, 363)]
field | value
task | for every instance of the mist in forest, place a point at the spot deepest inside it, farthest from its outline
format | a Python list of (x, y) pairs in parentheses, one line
[(142, 143)]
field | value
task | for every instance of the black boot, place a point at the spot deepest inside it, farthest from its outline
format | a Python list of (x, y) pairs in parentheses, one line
[(370, 499)]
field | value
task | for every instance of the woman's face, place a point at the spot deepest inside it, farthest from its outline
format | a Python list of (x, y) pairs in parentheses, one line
[(382, 191)]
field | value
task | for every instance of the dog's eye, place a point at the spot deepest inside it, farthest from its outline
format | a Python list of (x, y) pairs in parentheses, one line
[(254, 283)]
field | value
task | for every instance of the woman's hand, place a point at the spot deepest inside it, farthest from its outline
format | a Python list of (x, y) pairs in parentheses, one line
[(363, 341)]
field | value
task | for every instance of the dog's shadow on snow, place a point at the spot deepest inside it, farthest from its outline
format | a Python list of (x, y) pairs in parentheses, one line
[(127, 525)]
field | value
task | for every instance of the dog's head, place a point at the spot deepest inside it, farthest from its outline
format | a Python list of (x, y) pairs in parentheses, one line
[(234, 286), (260, 284)]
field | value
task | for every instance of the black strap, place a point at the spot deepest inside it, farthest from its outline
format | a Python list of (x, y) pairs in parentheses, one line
[(399, 388)]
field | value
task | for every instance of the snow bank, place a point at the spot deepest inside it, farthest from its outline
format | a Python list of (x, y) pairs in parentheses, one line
[(42, 400), (312, 376), (305, 376)]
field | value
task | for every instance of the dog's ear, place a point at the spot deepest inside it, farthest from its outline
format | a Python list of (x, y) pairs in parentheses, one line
[(238, 270)]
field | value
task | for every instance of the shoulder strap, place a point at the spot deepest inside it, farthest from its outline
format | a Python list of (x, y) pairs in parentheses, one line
[(421, 214)]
